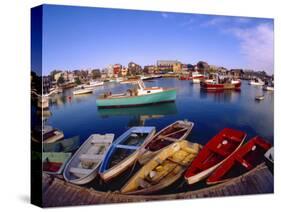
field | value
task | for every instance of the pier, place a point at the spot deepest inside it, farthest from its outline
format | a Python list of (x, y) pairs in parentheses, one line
[(57, 192)]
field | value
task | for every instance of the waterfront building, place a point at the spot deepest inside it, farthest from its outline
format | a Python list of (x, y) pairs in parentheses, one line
[(47, 84), (167, 65), (184, 67), (124, 71), (177, 67), (57, 75), (150, 69), (110, 72), (236, 73), (117, 69)]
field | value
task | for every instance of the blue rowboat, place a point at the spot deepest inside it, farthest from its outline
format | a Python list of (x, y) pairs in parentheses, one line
[(123, 153), (140, 95)]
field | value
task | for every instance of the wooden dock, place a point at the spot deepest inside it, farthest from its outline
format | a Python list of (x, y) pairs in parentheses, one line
[(57, 192)]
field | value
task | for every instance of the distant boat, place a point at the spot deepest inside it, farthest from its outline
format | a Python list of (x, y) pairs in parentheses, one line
[(268, 88), (269, 158), (214, 153), (259, 97), (54, 162), (65, 145), (243, 160), (47, 133), (163, 170), (140, 95), (94, 84), (82, 89), (123, 153), (221, 84), (82, 168), (174, 132), (257, 82)]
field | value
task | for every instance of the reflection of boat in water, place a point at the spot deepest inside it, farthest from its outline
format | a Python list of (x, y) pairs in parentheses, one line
[(65, 145), (138, 96), (153, 110), (259, 98)]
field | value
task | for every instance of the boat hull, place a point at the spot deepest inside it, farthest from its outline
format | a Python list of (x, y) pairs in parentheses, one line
[(226, 86), (154, 98), (214, 153), (245, 159), (167, 167), (146, 153), (107, 173)]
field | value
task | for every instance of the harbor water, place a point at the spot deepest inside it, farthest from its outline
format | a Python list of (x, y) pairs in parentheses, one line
[(210, 111)]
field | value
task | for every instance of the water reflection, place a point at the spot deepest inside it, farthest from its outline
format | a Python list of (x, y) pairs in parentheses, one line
[(78, 115), (140, 114)]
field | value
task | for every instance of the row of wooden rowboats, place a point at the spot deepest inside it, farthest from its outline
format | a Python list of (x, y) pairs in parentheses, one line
[(164, 158)]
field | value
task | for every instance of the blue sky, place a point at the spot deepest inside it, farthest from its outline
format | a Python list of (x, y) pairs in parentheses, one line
[(81, 37)]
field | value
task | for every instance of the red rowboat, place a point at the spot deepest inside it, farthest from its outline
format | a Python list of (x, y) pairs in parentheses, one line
[(214, 153), (246, 158)]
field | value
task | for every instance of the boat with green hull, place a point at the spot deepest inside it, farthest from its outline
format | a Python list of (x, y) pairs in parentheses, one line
[(140, 95)]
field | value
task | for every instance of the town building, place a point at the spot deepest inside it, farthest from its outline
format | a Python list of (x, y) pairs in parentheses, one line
[(150, 69), (47, 84), (117, 69), (167, 65)]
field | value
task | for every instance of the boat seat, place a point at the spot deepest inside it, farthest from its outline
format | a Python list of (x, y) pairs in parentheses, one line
[(91, 158), (94, 150), (80, 172), (168, 138), (232, 138), (127, 147), (244, 163), (218, 151)]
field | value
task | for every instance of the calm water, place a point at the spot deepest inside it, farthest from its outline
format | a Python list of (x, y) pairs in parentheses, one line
[(210, 112)]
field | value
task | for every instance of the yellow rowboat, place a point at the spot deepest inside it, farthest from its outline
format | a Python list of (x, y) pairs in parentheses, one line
[(164, 169)]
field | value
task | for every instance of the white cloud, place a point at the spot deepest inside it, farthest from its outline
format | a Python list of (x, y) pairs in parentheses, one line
[(257, 45)]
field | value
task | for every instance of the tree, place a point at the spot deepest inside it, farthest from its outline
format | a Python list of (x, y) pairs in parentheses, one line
[(96, 73), (77, 81), (60, 80)]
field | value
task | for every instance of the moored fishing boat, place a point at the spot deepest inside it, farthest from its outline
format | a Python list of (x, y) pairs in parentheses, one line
[(221, 84), (174, 132), (54, 162), (82, 168), (256, 81), (140, 95), (268, 88), (94, 84), (163, 170), (123, 153), (82, 89), (214, 153), (243, 160)]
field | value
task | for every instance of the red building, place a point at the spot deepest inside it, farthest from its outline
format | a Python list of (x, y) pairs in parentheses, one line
[(117, 69)]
